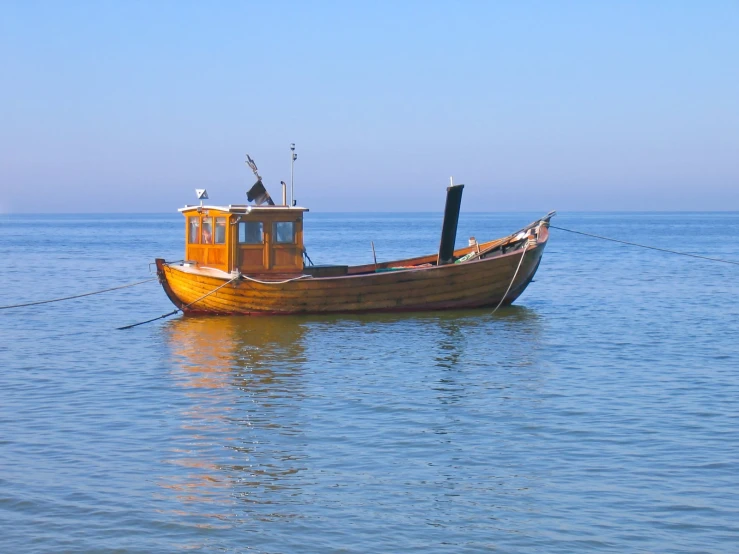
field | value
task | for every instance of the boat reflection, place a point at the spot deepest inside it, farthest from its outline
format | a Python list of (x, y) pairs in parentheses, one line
[(212, 351), (512, 331), (269, 403), (242, 381)]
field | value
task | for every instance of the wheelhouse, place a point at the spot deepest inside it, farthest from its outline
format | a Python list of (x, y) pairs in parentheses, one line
[(248, 239)]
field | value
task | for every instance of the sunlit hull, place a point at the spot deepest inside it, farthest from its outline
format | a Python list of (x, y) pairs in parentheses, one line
[(502, 276)]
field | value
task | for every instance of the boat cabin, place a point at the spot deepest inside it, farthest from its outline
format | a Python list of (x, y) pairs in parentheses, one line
[(249, 239)]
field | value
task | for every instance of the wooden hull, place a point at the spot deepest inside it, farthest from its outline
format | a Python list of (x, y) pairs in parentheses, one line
[(481, 283)]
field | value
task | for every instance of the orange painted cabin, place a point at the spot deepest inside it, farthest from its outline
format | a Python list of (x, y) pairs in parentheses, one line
[(249, 239)]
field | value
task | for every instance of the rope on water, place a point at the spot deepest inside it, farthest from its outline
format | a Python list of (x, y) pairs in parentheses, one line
[(183, 308), (526, 246), (148, 320), (644, 246), (77, 295)]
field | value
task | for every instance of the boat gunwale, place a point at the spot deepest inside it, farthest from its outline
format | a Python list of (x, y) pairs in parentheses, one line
[(309, 278), (511, 297), (523, 246), (262, 278)]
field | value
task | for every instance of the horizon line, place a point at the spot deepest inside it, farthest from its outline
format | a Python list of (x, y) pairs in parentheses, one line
[(400, 212)]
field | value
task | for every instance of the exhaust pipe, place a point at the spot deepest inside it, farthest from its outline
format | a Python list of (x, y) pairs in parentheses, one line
[(449, 227)]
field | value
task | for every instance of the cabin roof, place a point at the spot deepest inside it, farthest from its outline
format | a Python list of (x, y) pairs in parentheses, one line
[(246, 208)]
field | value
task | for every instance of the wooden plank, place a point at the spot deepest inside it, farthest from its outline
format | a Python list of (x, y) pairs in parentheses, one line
[(390, 281), (459, 274), (480, 282), (414, 292)]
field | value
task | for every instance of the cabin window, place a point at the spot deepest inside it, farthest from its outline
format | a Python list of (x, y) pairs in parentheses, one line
[(251, 232), (193, 226), (284, 232), (206, 234), (220, 236)]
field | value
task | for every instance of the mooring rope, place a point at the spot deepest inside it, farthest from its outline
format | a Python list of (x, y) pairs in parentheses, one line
[(307, 257), (526, 246), (184, 308), (76, 295), (649, 247), (148, 320)]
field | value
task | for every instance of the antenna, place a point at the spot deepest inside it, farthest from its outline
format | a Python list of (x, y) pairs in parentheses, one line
[(293, 157), (202, 195)]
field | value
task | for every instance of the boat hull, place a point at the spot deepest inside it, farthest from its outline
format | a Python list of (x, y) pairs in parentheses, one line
[(473, 284)]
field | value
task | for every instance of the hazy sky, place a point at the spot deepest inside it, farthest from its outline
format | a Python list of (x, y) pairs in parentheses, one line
[(130, 106)]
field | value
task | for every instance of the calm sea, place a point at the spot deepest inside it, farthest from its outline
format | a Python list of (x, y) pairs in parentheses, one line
[(598, 414)]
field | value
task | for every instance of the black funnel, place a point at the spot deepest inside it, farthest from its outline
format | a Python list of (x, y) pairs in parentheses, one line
[(449, 227)]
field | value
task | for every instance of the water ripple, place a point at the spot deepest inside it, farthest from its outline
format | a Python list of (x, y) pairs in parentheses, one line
[(598, 415)]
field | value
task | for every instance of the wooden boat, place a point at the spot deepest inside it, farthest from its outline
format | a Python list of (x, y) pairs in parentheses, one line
[(246, 259)]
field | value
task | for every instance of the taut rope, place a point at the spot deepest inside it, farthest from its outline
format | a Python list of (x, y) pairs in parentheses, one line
[(184, 308), (649, 247), (77, 295), (526, 246)]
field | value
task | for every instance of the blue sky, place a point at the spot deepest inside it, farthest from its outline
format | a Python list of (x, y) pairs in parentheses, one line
[(130, 106)]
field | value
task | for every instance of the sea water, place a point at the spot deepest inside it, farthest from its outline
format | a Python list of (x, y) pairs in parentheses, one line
[(600, 413)]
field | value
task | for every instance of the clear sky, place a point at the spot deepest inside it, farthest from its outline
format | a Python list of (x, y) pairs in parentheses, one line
[(593, 105)]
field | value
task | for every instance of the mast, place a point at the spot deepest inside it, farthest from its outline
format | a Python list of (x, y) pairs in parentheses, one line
[(293, 157)]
